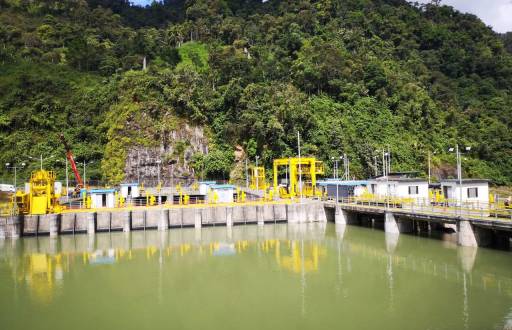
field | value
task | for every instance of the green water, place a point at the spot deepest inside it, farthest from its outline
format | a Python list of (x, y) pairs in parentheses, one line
[(250, 277)]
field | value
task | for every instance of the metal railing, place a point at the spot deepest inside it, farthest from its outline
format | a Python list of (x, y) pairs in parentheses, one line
[(478, 210)]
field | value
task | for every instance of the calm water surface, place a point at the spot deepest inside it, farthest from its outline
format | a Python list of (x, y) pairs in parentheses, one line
[(249, 277)]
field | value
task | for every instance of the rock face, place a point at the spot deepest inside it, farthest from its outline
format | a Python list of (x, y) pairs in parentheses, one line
[(174, 153)]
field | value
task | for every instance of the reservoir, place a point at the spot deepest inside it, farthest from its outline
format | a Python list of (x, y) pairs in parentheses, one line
[(282, 276)]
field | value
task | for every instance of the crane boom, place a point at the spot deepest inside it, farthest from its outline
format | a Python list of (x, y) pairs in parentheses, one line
[(69, 156)]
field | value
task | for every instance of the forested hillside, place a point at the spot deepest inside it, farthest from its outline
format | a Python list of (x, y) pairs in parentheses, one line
[(352, 76)]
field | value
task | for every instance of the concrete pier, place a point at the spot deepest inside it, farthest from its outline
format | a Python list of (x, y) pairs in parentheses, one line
[(470, 231), (340, 216), (390, 224)]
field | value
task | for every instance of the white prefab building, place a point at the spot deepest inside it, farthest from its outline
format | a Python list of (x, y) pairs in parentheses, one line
[(343, 189), (474, 191), (410, 188), (204, 187), (130, 190), (102, 198), (224, 192)]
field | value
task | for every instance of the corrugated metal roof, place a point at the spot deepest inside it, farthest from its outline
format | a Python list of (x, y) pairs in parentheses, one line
[(222, 186), (336, 182), (102, 191), (466, 181)]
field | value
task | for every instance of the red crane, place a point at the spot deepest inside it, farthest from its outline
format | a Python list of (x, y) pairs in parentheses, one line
[(69, 156)]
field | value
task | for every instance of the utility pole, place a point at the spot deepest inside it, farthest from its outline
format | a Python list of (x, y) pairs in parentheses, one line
[(300, 169)]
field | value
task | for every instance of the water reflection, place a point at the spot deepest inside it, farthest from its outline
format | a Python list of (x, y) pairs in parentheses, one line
[(45, 261), (312, 261)]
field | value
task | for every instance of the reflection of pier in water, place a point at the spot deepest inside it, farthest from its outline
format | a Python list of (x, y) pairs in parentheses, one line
[(390, 255), (43, 262), (297, 248)]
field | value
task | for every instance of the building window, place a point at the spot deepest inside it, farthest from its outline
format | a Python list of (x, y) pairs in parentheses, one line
[(413, 190), (472, 192)]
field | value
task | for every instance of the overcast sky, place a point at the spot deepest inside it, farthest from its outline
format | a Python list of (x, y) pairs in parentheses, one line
[(496, 13)]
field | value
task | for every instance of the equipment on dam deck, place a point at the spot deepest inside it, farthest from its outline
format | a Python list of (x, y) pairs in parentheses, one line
[(69, 156), (258, 181), (297, 170), (41, 198)]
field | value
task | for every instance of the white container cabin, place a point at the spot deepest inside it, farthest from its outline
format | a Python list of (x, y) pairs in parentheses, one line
[(204, 187), (343, 189), (475, 192), (102, 198), (130, 190), (224, 192), (407, 188)]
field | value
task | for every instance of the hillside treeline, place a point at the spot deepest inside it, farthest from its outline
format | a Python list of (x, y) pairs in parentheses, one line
[(353, 76)]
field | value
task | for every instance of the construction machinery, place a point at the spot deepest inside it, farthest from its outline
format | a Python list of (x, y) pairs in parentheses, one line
[(258, 181), (300, 177), (71, 160), (41, 197)]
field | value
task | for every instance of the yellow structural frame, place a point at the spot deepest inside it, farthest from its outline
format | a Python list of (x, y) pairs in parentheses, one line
[(258, 181), (308, 167)]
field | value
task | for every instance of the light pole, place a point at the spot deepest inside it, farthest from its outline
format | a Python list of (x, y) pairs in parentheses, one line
[(430, 166), (40, 159), (67, 181), (85, 177), (459, 172), (383, 162), (336, 160), (346, 165), (15, 168), (256, 173), (300, 169), (246, 174), (158, 162), (67, 177), (387, 181), (389, 160), (376, 166)]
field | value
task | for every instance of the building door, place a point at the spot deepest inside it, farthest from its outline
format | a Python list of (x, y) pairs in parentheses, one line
[(447, 192)]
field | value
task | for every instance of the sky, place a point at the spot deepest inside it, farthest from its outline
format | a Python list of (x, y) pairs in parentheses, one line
[(496, 13)]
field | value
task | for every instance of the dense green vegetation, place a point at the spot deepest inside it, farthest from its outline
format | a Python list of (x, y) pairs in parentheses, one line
[(352, 76)]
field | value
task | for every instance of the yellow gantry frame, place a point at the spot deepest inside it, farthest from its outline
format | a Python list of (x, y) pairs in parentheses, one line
[(309, 168)]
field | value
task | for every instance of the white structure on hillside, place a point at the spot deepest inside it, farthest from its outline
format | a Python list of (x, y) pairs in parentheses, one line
[(474, 191)]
